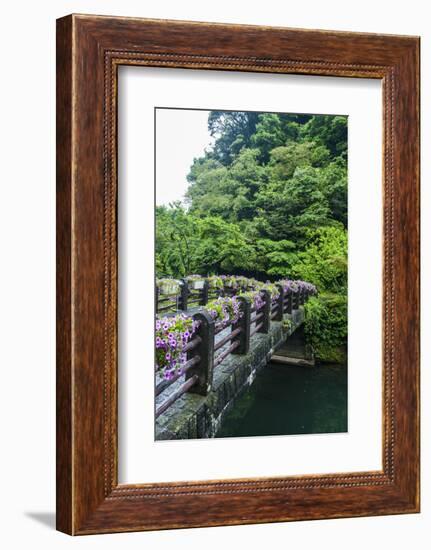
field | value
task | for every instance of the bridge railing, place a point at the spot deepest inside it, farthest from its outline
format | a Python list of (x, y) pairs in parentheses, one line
[(166, 303), (181, 390), (213, 342), (193, 294)]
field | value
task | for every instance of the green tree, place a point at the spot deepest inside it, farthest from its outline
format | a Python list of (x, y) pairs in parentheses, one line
[(228, 192), (285, 160), (175, 236), (323, 261), (275, 258), (221, 247), (327, 130), (232, 130), (288, 207), (268, 135), (334, 187)]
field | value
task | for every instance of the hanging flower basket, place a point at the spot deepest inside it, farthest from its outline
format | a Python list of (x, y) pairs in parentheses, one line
[(195, 282), (224, 310), (168, 286), (197, 285), (172, 334)]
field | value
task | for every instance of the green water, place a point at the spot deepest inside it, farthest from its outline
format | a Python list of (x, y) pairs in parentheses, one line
[(285, 400)]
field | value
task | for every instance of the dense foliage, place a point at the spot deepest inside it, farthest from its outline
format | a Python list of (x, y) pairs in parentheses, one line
[(326, 326), (268, 200)]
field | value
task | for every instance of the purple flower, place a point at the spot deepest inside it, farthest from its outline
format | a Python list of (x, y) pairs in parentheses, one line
[(171, 335)]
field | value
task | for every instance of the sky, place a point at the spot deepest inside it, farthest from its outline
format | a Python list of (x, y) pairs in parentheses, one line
[(181, 135)]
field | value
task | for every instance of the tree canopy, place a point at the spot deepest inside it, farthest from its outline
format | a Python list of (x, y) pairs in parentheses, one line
[(256, 197)]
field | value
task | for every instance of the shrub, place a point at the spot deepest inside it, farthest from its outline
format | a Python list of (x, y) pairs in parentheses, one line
[(326, 327)]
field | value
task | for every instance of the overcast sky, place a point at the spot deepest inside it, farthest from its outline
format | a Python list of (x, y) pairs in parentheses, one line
[(181, 136)]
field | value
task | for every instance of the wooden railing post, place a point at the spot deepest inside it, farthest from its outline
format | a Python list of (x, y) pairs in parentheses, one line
[(244, 322), (295, 299), (280, 304), (205, 350), (156, 299), (204, 296), (301, 296), (184, 296), (266, 318), (289, 301)]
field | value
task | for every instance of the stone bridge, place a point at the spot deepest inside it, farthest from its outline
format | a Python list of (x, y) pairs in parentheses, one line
[(199, 414)]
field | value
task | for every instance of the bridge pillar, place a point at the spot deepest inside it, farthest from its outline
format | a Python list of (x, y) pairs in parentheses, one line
[(295, 351), (244, 322), (205, 350)]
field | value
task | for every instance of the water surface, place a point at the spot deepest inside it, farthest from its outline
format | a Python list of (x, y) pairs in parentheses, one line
[(285, 400)]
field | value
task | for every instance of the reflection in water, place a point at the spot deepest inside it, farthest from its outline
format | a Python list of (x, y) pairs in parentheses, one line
[(287, 400)]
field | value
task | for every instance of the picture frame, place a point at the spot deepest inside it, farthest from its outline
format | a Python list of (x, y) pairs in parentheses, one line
[(89, 51)]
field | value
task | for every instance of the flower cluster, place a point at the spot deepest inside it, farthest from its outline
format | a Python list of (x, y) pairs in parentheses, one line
[(294, 286), (308, 287), (289, 286), (255, 297), (215, 282), (236, 283), (272, 288), (225, 310), (172, 334)]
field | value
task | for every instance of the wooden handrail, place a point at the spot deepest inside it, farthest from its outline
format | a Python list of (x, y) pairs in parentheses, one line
[(220, 327), (177, 394), (224, 354), (164, 384), (256, 317), (195, 341), (256, 329), (227, 338)]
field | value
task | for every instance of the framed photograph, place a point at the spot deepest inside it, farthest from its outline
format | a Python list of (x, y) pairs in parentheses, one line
[(237, 274)]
